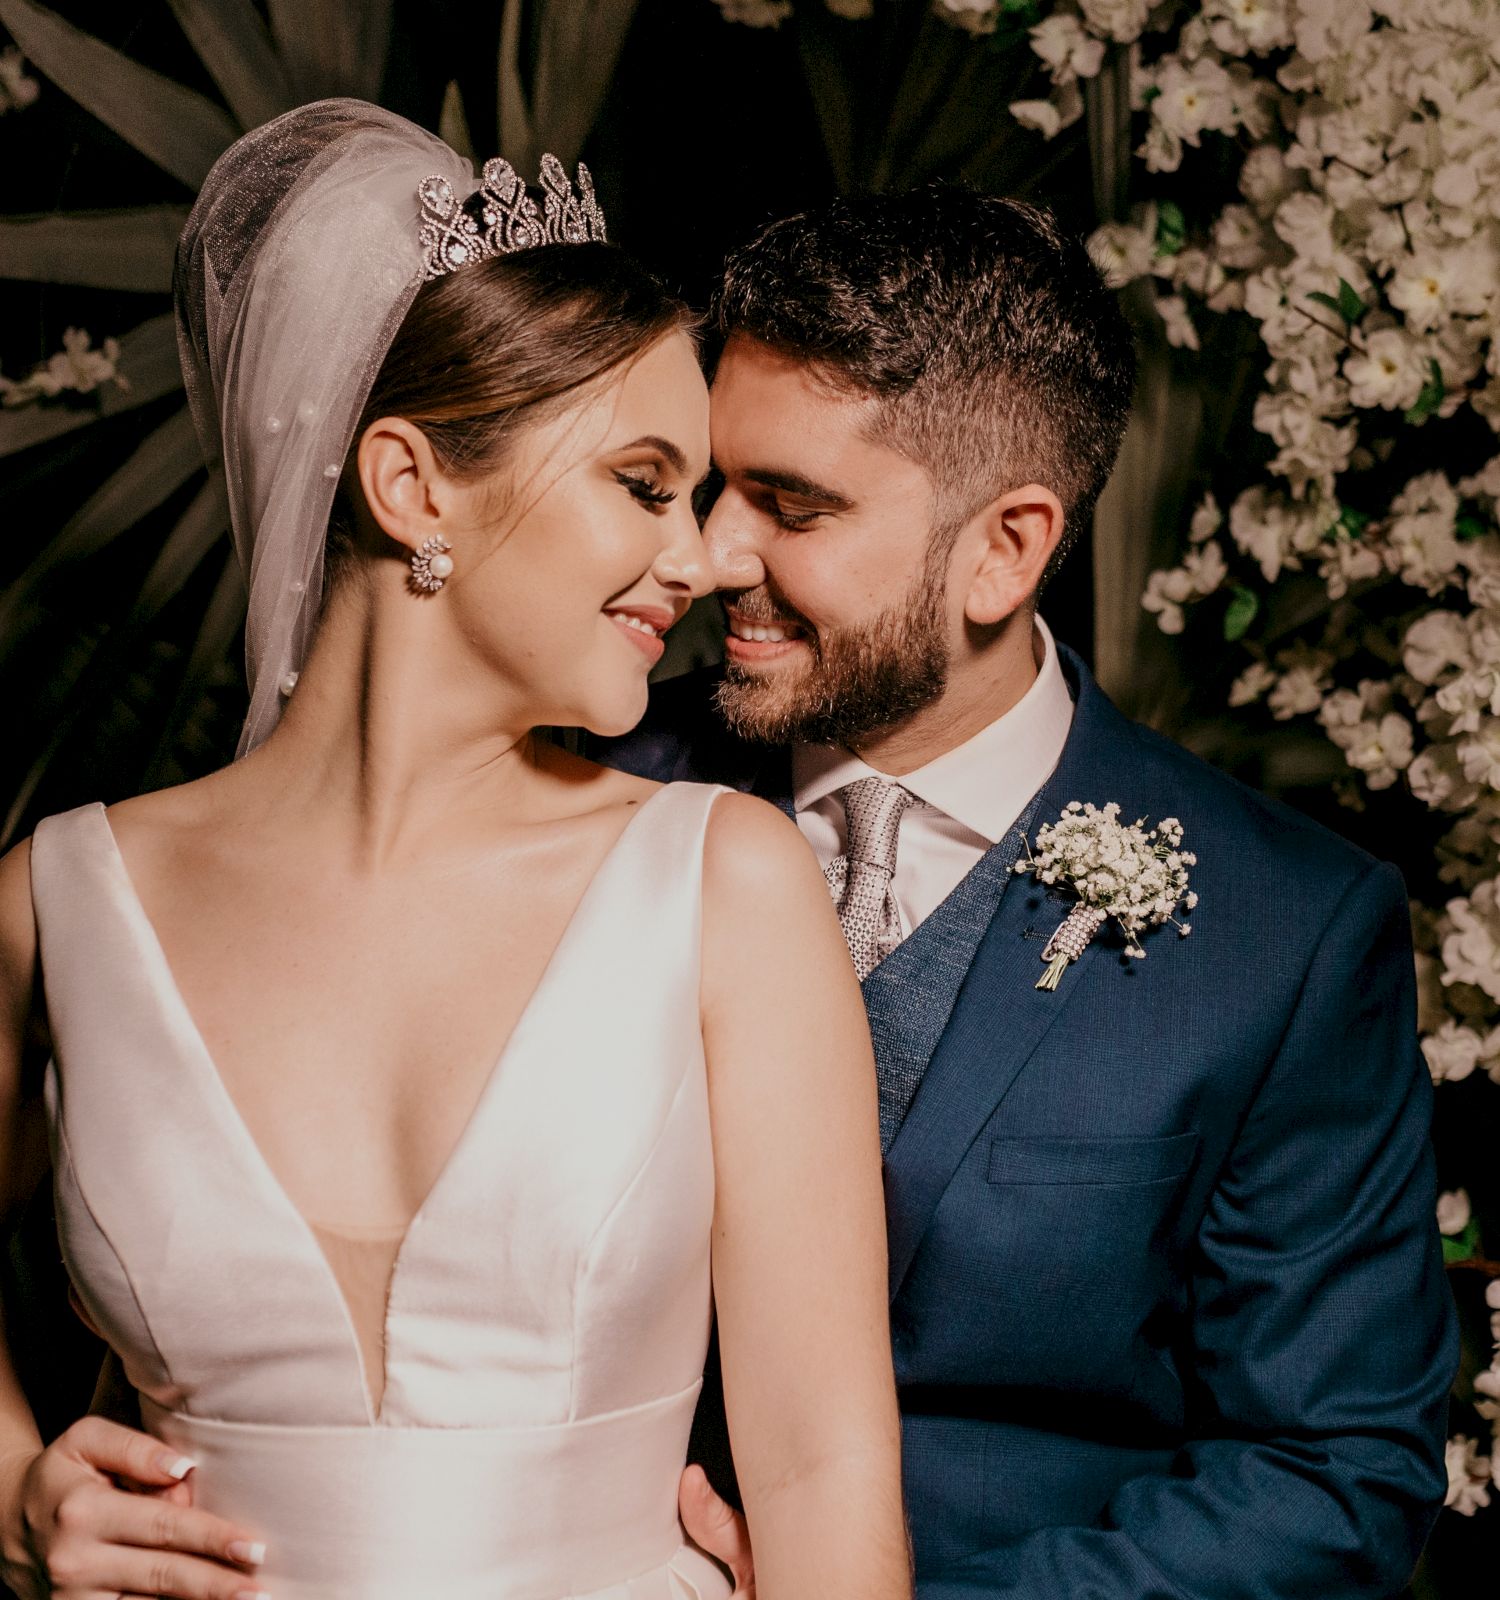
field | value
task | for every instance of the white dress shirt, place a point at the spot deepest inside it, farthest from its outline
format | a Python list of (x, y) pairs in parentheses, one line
[(968, 798)]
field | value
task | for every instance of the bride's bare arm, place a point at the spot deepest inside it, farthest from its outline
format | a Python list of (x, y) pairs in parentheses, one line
[(65, 1527), (799, 1248)]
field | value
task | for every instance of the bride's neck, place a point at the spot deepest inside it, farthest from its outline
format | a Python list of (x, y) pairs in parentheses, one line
[(390, 726)]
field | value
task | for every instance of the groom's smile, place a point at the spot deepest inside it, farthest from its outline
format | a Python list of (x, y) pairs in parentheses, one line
[(818, 526)]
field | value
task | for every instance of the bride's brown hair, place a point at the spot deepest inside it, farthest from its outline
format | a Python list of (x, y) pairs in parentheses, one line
[(488, 350)]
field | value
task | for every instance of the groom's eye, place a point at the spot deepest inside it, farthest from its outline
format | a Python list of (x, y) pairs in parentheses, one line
[(794, 521)]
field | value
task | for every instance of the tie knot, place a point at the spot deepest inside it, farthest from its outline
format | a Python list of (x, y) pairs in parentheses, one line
[(874, 809)]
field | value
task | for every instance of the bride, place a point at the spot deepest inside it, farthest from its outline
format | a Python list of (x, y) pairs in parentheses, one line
[(409, 1077)]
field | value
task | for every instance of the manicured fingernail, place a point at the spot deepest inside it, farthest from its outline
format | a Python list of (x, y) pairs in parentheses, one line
[(250, 1551), (177, 1466), (251, 1594)]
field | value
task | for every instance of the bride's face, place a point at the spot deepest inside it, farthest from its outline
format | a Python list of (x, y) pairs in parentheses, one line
[(573, 561)]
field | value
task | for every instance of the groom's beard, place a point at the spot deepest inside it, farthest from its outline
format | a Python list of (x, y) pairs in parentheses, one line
[(857, 681)]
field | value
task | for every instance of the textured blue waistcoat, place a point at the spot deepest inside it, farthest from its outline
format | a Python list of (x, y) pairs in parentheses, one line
[(909, 996)]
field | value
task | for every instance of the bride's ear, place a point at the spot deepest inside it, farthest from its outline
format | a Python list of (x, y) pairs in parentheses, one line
[(403, 485)]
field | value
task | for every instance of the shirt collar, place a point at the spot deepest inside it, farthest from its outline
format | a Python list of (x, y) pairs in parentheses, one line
[(983, 783)]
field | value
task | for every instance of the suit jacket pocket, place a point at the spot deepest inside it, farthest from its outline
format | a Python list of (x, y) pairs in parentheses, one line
[(1091, 1161)]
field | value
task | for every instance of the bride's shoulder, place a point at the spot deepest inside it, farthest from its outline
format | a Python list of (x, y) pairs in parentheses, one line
[(752, 848)]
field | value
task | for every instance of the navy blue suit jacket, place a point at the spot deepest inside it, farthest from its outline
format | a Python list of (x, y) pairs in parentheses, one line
[(1167, 1299)]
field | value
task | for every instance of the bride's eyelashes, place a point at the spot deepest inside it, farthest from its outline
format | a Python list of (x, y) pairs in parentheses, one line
[(648, 491)]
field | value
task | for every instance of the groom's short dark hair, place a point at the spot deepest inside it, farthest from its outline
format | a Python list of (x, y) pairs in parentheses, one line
[(996, 353)]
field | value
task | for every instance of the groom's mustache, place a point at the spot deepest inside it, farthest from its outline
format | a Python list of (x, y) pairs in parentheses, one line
[(756, 607)]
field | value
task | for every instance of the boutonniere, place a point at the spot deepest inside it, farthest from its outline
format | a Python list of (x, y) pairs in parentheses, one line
[(1137, 879)]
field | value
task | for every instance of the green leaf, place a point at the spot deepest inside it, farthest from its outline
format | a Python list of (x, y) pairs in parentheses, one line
[(1244, 607), (1171, 228), (177, 129), (1351, 305), (164, 461), (1462, 1246), (1326, 300), (330, 47), (233, 44), (1470, 527), (1431, 397), (148, 362), (198, 530), (1352, 523), (129, 250)]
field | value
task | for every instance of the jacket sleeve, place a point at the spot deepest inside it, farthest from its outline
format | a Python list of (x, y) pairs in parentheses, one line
[(1322, 1340)]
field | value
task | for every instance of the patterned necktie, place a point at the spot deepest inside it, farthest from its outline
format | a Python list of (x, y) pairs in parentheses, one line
[(860, 880)]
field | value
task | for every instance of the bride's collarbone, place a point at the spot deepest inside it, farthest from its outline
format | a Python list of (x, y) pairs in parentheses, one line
[(354, 1019)]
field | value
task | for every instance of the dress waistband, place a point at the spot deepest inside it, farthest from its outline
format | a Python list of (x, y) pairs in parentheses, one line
[(574, 1509)]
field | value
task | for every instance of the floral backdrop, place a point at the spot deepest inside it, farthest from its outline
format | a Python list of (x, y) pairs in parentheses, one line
[(1318, 206)]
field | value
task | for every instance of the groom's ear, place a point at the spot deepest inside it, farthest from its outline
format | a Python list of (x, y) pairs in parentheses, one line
[(1012, 540), (403, 485)]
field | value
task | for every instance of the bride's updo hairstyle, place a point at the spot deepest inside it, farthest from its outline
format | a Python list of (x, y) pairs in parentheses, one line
[(306, 309), (509, 342)]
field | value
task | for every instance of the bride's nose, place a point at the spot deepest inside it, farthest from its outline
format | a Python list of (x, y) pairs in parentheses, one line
[(683, 562)]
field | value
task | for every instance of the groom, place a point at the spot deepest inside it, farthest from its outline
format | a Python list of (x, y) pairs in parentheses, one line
[(1167, 1301)]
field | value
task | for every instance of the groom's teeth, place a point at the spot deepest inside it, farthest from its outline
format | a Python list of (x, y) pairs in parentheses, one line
[(760, 633)]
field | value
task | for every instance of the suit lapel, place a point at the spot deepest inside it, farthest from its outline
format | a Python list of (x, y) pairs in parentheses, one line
[(1000, 1017)]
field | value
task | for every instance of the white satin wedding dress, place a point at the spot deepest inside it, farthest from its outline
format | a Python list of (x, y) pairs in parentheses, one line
[(547, 1310)]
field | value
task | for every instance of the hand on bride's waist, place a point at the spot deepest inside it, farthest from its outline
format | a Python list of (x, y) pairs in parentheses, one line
[(106, 1508)]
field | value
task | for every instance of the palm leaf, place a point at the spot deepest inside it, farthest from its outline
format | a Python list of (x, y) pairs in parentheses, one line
[(179, 130), (576, 52), (92, 679), (221, 622), (148, 362), (129, 250), (333, 47), (198, 530), (165, 460), (233, 44)]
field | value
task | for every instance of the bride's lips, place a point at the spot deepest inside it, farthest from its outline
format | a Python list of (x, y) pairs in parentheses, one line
[(760, 642), (643, 626)]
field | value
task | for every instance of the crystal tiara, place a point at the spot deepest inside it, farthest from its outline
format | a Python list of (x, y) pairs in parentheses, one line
[(508, 218)]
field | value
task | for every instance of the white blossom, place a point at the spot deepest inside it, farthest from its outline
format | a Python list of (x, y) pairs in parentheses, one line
[(77, 366), (1124, 251), (1120, 20), (1248, 26), (1452, 1052), (1069, 52), (1468, 1476), (1471, 950), (1166, 593), (1251, 684), (1388, 372), (1435, 643), (1176, 322), (1041, 115), (1453, 1212), (1324, 28)]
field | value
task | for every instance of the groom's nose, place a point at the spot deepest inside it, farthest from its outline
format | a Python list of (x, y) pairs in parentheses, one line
[(731, 537)]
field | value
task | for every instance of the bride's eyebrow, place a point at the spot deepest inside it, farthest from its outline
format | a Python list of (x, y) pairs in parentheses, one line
[(663, 447)]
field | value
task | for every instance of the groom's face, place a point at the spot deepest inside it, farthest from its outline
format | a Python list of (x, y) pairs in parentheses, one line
[(833, 576)]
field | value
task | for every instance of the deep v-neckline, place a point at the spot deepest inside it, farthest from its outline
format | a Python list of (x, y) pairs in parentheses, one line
[(238, 1128)]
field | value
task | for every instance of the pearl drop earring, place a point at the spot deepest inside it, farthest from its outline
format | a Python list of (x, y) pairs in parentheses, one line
[(431, 565)]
